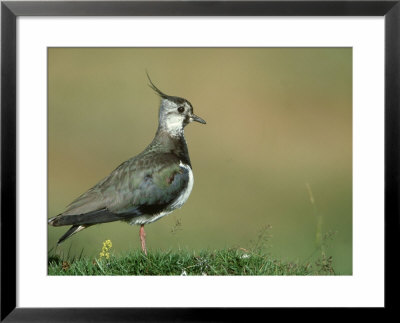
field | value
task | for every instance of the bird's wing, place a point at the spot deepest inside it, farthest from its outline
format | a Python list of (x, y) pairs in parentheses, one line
[(134, 188), (153, 189)]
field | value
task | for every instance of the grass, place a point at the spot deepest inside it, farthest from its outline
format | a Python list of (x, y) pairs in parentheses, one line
[(217, 262)]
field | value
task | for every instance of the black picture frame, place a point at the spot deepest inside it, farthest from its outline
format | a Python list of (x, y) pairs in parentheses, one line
[(11, 10)]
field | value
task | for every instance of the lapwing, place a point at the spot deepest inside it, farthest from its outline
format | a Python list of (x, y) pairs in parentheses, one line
[(146, 187)]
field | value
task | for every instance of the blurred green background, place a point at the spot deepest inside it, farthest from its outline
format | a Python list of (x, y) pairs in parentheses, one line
[(279, 120)]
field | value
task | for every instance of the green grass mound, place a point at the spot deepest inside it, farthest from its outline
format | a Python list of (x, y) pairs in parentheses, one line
[(217, 262)]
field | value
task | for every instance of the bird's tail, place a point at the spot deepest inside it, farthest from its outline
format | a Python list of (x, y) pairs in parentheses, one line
[(94, 217), (82, 221), (74, 229)]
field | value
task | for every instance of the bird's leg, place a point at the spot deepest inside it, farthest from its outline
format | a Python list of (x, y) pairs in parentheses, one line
[(142, 235)]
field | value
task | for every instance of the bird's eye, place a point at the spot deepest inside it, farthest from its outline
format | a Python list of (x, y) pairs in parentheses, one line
[(181, 109)]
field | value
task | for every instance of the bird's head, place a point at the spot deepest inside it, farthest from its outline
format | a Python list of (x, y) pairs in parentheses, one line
[(175, 112)]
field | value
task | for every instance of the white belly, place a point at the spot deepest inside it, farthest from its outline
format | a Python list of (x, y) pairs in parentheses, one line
[(176, 204)]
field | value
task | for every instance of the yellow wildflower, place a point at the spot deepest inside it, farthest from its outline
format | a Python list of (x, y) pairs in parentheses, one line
[(105, 251)]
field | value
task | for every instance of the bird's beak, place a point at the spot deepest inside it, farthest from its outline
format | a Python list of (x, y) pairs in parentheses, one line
[(197, 119)]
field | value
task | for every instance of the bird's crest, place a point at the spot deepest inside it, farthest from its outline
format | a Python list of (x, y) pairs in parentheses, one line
[(159, 92)]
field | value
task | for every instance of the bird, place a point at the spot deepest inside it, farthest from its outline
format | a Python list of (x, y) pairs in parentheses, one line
[(146, 187)]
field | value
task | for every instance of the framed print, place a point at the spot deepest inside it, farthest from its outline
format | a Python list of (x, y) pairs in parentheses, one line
[(290, 112)]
